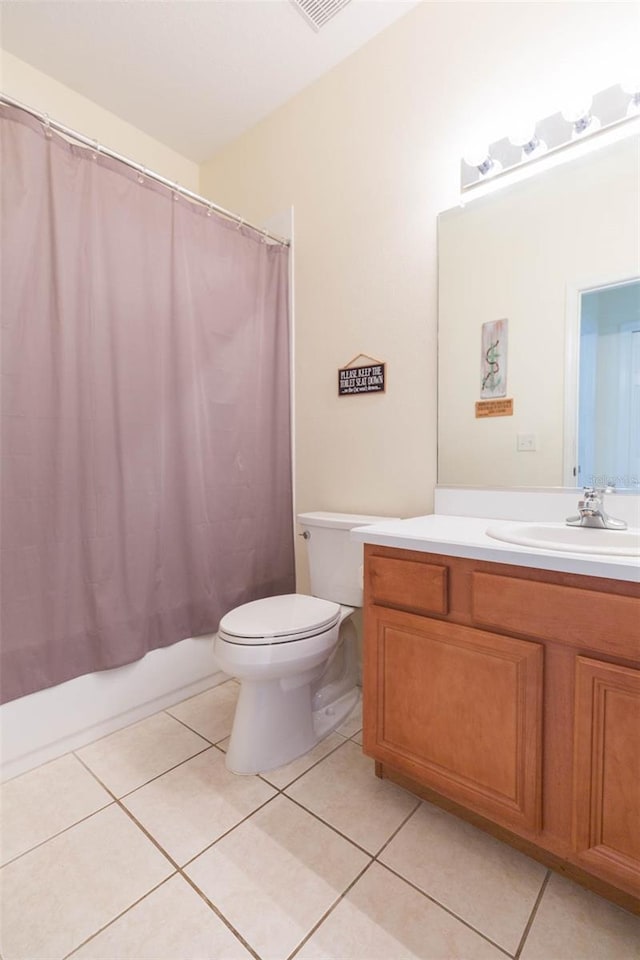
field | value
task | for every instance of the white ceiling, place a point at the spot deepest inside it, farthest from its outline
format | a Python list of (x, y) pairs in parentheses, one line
[(194, 74)]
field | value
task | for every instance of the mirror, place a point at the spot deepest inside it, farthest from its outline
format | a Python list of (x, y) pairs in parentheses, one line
[(535, 254)]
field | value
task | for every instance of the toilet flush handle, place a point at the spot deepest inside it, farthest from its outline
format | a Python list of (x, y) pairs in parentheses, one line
[(305, 535)]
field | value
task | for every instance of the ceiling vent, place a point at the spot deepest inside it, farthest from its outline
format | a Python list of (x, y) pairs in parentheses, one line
[(319, 12)]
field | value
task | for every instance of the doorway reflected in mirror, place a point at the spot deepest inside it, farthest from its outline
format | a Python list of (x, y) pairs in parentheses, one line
[(609, 387)]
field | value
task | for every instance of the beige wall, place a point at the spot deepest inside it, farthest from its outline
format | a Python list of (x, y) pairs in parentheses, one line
[(35, 89), (368, 156)]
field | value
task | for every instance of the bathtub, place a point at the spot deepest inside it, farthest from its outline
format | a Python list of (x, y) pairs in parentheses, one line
[(51, 722)]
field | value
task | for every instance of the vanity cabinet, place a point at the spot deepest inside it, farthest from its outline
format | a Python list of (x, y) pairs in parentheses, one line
[(512, 697)]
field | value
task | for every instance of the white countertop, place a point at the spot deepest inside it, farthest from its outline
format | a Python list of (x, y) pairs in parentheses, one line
[(466, 537)]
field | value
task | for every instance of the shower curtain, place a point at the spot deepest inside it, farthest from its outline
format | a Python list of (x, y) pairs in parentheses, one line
[(146, 472)]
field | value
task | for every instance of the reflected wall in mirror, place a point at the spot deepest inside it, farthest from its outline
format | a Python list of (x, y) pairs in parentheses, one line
[(528, 253)]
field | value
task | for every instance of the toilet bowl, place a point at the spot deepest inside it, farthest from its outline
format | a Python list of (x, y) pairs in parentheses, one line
[(296, 655), (281, 712)]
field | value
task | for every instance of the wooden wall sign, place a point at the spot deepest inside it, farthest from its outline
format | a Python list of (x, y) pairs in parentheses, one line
[(368, 378), (494, 408)]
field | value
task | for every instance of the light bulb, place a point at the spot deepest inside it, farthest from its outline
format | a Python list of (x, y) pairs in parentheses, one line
[(579, 115), (480, 158), (476, 154), (524, 136)]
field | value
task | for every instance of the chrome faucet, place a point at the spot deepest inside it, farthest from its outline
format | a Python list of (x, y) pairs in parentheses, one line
[(591, 512)]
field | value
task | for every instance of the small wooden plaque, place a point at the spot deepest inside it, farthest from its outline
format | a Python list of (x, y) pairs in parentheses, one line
[(494, 408)]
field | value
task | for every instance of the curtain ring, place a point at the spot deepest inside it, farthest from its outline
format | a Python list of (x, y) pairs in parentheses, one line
[(176, 191), (95, 150), (47, 127), (263, 238), (210, 210), (240, 224), (141, 175)]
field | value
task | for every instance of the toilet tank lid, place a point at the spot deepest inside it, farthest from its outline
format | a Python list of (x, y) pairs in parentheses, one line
[(278, 617), (343, 521)]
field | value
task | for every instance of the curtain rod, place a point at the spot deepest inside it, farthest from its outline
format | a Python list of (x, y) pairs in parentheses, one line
[(87, 142)]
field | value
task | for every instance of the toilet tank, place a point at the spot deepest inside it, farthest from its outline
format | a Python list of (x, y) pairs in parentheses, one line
[(335, 561)]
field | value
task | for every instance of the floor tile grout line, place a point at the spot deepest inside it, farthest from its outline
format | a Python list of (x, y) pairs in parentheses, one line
[(375, 859), (149, 836), (333, 906), (59, 833), (219, 914), (532, 915), (446, 909), (309, 769), (177, 871), (180, 869), (98, 780), (115, 799), (330, 825), (214, 743), (121, 914), (38, 766), (157, 776), (279, 792), (188, 862), (127, 726), (398, 829), (180, 763), (192, 730)]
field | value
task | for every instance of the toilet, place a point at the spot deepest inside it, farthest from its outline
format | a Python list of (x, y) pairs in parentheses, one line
[(296, 655)]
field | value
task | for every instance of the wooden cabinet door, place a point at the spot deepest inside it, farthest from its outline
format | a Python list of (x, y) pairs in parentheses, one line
[(457, 709), (606, 785)]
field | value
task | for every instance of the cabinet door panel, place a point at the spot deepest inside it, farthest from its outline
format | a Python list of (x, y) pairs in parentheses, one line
[(606, 804), (458, 710)]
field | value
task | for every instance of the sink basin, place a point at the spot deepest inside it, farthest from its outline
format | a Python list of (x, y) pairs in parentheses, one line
[(558, 536)]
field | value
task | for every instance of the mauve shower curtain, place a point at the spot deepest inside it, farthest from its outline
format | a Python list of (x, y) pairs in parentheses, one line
[(146, 477)]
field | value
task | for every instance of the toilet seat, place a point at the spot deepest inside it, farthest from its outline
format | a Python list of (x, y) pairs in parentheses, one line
[(281, 619)]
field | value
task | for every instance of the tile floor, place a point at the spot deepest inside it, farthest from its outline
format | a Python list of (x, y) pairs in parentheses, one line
[(143, 846)]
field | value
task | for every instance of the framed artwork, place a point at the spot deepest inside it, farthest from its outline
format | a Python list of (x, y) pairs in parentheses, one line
[(494, 359)]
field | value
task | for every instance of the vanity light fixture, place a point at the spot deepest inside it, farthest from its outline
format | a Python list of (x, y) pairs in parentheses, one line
[(585, 120)]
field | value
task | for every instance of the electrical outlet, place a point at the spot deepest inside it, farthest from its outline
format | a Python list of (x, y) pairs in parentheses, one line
[(526, 442)]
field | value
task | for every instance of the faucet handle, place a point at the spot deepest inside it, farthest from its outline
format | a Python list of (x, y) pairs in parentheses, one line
[(599, 491), (591, 512)]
